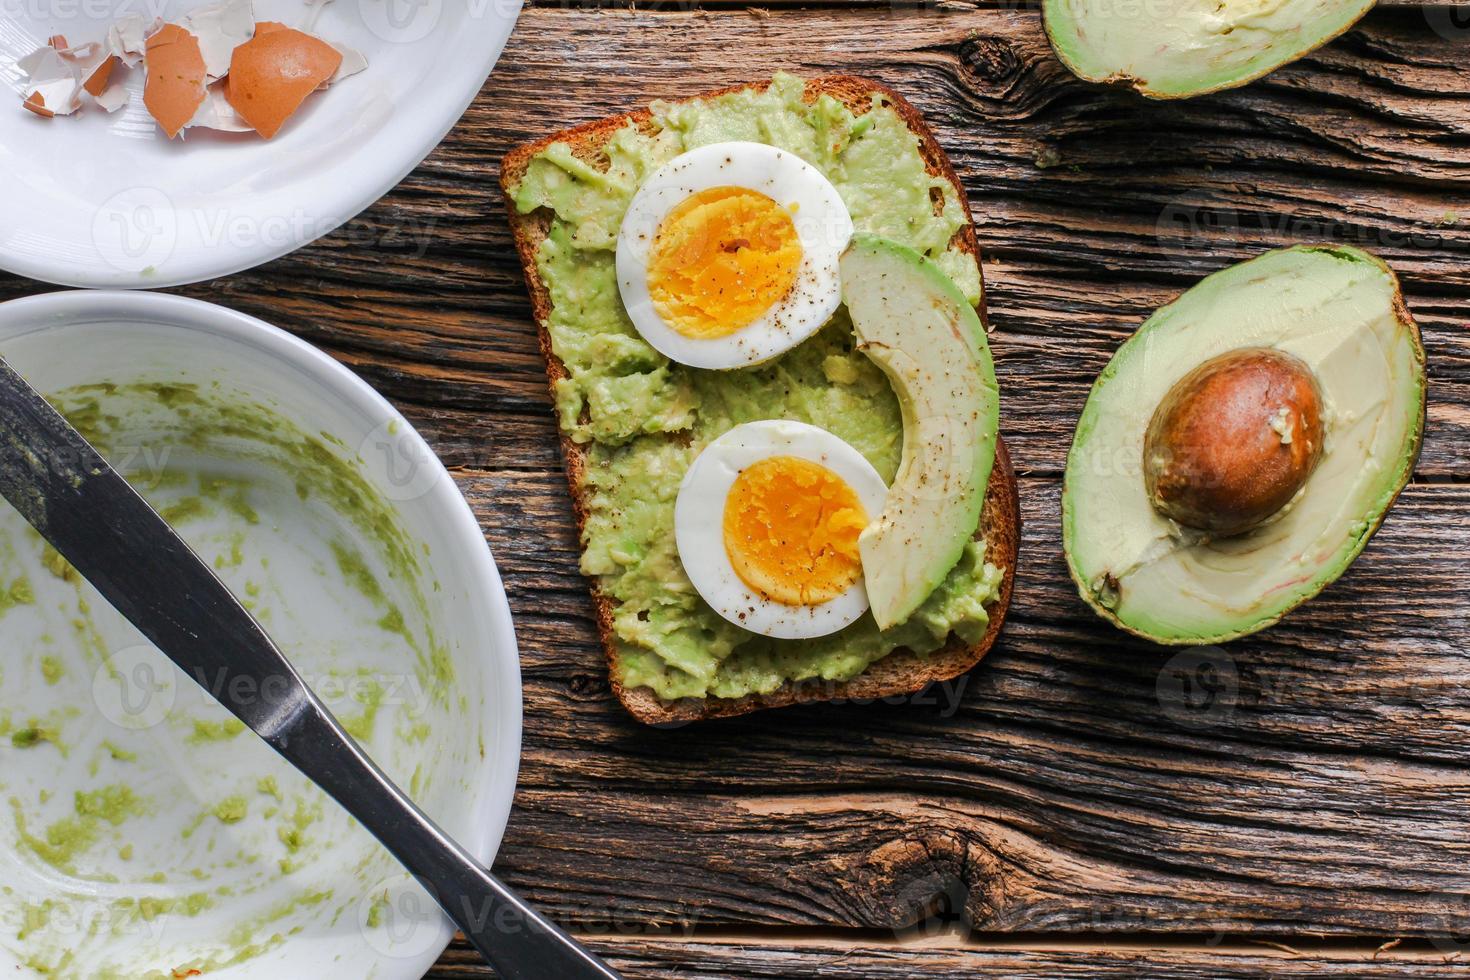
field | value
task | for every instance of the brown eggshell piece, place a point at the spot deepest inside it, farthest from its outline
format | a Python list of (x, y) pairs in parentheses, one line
[(273, 73), (96, 83), (1234, 440), (37, 104), (175, 84)]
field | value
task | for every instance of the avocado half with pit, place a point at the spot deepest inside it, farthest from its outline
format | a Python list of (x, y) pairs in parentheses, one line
[(1241, 448), (1174, 49)]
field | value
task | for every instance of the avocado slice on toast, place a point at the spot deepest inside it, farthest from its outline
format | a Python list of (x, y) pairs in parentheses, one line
[(917, 326)]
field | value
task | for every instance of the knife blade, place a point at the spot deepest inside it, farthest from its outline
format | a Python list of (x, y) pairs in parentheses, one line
[(90, 514)]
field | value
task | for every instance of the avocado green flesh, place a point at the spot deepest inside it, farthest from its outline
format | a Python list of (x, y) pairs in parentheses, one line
[(643, 419), (1336, 308), (1179, 48), (926, 337)]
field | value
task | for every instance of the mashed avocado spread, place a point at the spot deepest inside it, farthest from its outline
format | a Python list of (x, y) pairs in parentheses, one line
[(643, 419)]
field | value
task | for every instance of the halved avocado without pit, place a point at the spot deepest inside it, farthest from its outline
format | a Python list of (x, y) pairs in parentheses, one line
[(1241, 448), (1175, 49)]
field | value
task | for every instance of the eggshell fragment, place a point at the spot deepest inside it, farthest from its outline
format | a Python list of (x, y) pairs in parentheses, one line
[(175, 85), (353, 62), (114, 97), (274, 72), (36, 102), (52, 87), (221, 28), (90, 62), (127, 39), (215, 112), (96, 82)]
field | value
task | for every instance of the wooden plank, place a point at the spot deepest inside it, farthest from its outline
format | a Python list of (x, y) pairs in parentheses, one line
[(1434, 9), (1093, 207), (1308, 780), (773, 958)]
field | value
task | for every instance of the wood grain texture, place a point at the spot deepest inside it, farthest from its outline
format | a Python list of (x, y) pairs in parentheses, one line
[(1081, 786), (679, 960), (1309, 780)]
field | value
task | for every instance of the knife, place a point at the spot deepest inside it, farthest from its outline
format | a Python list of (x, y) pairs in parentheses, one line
[(117, 542)]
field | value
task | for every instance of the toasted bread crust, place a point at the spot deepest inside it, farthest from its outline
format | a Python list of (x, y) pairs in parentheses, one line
[(901, 672)]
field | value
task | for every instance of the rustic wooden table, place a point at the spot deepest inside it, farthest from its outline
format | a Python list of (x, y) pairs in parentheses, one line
[(1081, 805)]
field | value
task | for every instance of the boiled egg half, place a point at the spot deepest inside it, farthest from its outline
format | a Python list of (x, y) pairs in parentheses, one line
[(767, 525), (727, 255)]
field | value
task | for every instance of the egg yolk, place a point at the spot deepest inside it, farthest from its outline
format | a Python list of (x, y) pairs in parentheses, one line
[(791, 531), (721, 259)]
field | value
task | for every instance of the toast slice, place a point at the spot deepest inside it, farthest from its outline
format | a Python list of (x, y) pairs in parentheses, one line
[(901, 672)]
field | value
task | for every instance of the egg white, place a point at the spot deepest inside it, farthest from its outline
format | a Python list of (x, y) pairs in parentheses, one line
[(823, 227), (699, 516)]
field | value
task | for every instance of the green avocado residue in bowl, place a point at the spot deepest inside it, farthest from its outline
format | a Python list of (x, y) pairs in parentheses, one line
[(133, 802)]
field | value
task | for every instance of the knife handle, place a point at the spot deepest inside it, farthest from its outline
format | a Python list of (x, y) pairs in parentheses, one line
[(518, 941)]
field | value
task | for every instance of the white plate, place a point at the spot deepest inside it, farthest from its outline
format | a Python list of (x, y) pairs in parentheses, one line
[(123, 716), (99, 200)]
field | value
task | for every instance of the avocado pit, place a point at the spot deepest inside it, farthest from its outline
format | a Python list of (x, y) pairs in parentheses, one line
[(1234, 441)]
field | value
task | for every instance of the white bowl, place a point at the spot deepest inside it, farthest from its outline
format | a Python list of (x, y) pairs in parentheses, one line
[(258, 443), (106, 200)]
